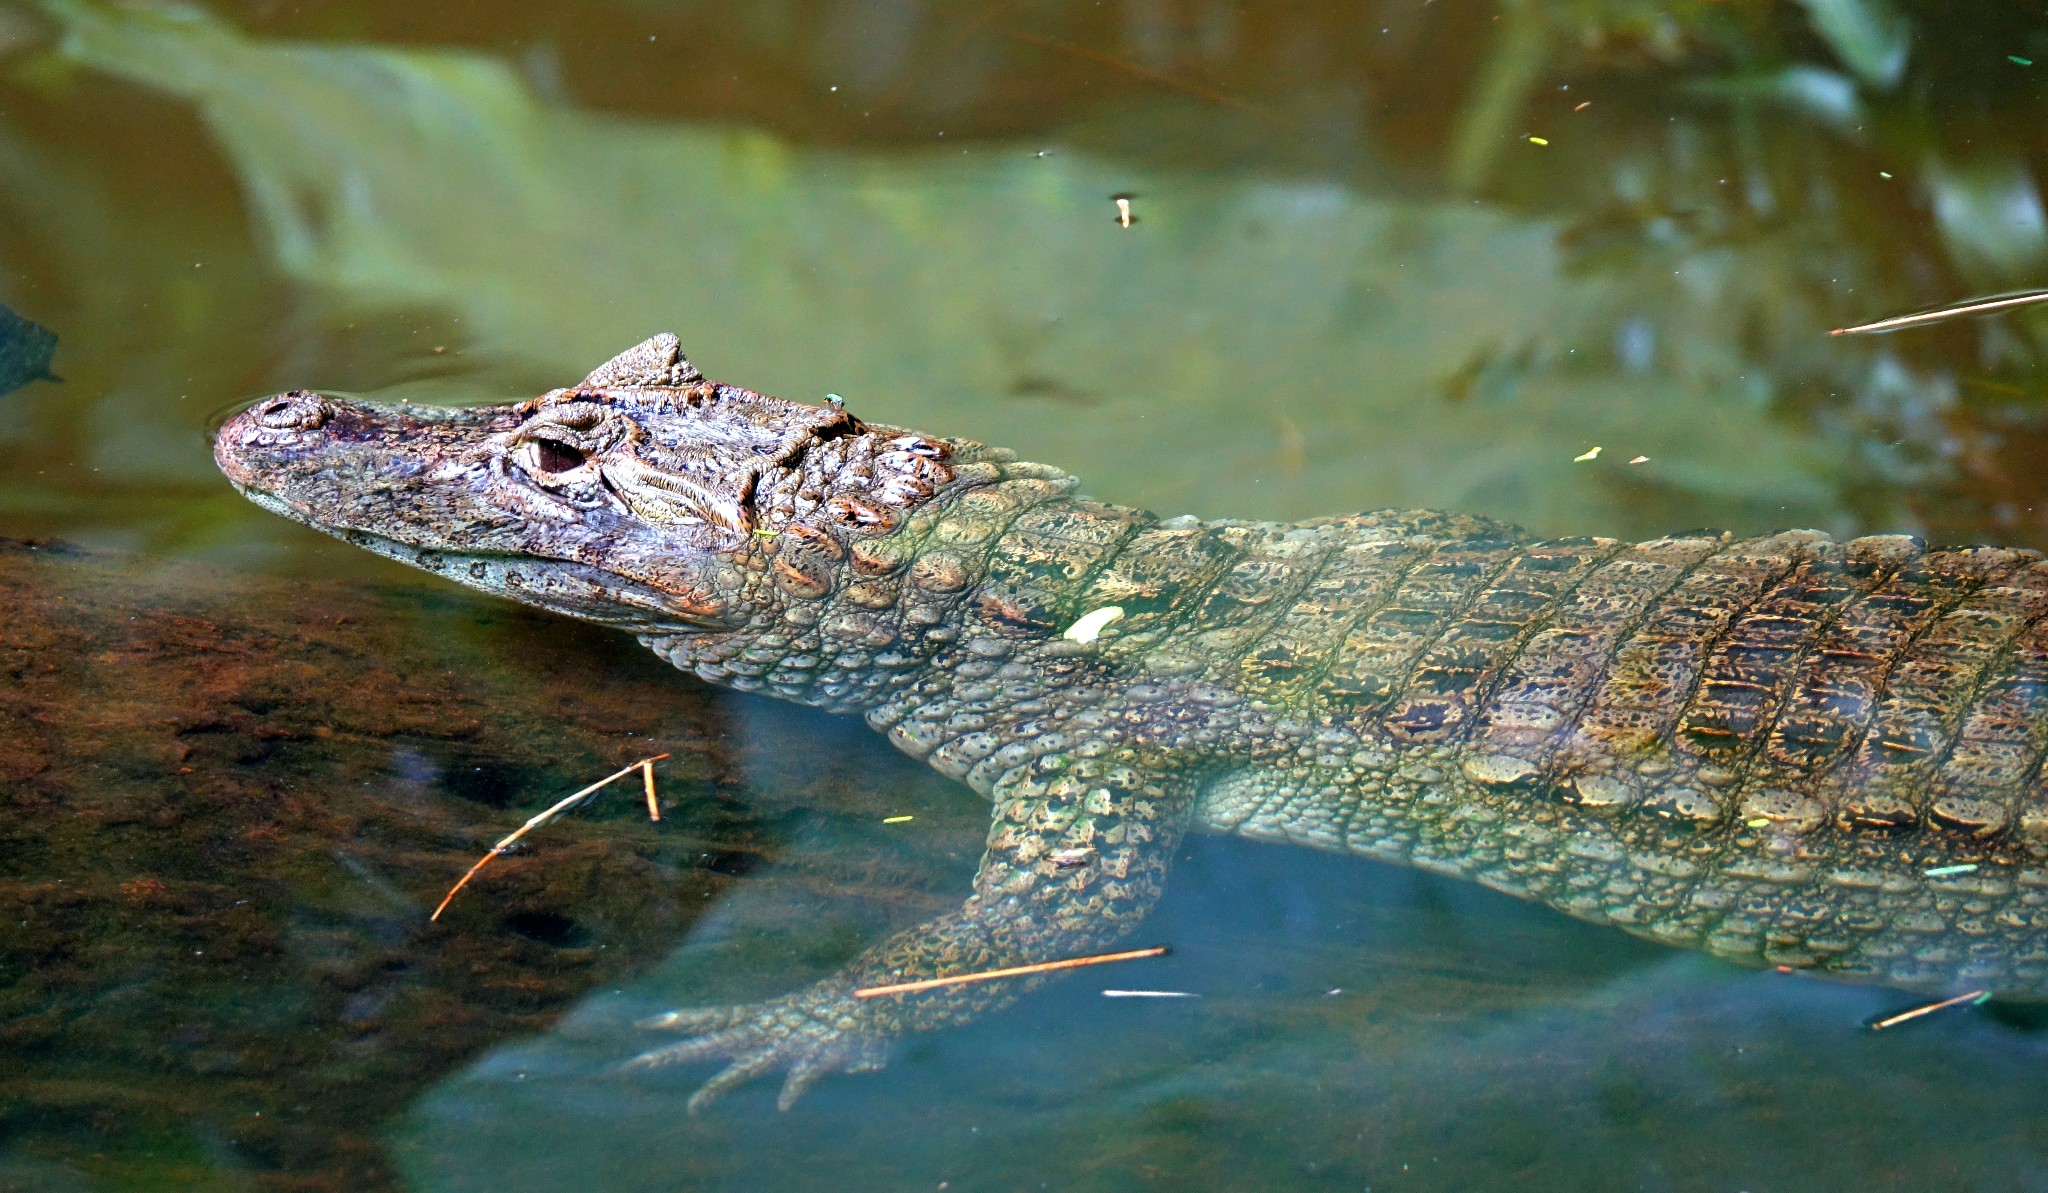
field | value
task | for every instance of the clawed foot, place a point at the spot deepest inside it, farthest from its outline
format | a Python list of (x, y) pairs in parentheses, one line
[(809, 1036)]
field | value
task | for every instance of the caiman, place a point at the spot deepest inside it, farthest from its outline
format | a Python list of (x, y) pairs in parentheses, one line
[(1785, 750)]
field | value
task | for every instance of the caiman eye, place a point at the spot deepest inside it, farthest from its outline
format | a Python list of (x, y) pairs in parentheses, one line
[(549, 455), (557, 457)]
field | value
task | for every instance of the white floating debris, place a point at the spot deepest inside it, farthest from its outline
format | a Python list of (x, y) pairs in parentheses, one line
[(1589, 454), (1149, 994), (1975, 998), (1640, 460), (1089, 627), (1977, 306)]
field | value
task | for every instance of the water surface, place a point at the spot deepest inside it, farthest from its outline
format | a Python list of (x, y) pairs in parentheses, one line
[(1397, 254)]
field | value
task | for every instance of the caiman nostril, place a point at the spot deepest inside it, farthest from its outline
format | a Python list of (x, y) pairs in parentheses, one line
[(295, 411)]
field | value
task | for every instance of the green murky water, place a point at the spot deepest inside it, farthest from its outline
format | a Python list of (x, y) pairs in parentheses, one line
[(1393, 253)]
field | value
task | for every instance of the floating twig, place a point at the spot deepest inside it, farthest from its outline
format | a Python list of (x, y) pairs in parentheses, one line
[(653, 804), (1150, 994), (1975, 306), (1015, 971), (645, 765), (1973, 997)]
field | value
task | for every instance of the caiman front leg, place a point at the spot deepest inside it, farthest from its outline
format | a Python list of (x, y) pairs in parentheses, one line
[(1076, 857)]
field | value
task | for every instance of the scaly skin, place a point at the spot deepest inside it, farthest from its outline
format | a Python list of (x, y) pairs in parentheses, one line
[(1756, 747)]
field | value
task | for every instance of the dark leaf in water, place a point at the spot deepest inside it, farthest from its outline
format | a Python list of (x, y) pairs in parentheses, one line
[(25, 352)]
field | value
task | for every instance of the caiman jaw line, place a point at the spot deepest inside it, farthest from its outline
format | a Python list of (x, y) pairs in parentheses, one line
[(641, 598)]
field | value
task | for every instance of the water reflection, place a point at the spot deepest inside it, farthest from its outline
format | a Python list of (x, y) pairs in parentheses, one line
[(1357, 281), (980, 290)]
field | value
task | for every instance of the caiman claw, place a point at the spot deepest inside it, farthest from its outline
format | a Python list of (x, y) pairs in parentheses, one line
[(808, 1036)]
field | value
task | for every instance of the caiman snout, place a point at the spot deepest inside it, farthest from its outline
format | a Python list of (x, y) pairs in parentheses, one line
[(272, 437), (295, 411)]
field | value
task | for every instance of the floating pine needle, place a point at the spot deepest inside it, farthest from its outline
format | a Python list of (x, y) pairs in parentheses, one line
[(1016, 971), (645, 765), (1150, 994), (897, 819), (653, 804), (1946, 871), (1974, 998), (1976, 306)]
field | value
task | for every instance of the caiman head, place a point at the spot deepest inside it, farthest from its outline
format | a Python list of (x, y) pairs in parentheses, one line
[(645, 497)]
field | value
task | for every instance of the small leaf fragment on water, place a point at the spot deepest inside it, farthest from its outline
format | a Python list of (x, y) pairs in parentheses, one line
[(1945, 871), (1089, 627), (1640, 460), (1589, 454), (896, 819), (1539, 141)]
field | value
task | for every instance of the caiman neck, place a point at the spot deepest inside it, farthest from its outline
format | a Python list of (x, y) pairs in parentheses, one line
[(995, 567)]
